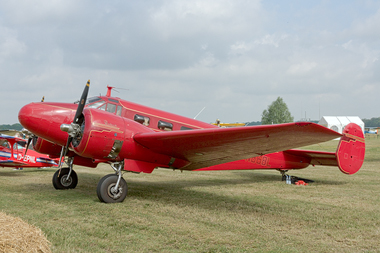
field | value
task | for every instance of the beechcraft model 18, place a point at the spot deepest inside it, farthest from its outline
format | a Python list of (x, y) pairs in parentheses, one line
[(135, 138), (14, 154)]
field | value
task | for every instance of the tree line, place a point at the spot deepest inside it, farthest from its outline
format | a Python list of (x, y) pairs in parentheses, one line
[(16, 126), (373, 122)]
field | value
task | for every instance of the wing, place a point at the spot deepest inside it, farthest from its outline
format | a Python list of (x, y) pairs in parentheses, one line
[(12, 139), (12, 163), (208, 147)]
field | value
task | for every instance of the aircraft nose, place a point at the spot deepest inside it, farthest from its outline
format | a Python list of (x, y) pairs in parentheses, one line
[(30, 117), (44, 120), (27, 118)]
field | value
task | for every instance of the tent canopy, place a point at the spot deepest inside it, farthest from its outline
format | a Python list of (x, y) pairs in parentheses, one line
[(338, 123)]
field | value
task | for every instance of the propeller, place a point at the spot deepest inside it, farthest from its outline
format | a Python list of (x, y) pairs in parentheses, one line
[(30, 138), (73, 129)]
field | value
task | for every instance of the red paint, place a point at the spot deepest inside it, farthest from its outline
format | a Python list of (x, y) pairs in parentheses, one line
[(134, 133), (14, 156)]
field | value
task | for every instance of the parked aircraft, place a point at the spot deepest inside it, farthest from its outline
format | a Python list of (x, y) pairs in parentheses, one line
[(135, 138), (14, 154)]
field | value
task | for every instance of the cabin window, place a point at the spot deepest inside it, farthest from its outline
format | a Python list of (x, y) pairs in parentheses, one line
[(142, 119), (165, 125), (119, 110), (186, 128), (111, 108)]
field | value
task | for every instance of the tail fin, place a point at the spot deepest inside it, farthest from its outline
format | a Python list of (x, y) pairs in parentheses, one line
[(351, 149)]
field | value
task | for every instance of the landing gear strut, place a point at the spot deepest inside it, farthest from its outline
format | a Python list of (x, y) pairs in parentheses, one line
[(293, 179), (112, 188), (283, 174), (65, 178)]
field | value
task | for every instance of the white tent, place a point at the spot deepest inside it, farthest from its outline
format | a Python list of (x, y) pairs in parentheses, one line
[(338, 123)]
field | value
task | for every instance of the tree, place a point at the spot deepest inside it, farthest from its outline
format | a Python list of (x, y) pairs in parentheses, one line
[(373, 122), (277, 113)]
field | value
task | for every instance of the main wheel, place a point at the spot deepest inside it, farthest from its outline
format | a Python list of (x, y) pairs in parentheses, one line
[(108, 193), (61, 181)]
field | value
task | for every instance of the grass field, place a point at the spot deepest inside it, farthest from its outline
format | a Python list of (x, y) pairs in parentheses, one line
[(231, 211)]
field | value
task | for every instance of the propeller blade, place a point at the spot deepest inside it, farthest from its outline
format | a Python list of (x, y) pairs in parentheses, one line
[(72, 129), (82, 102), (27, 145)]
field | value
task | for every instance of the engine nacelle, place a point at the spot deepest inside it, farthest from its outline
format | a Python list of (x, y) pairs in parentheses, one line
[(46, 147), (105, 136)]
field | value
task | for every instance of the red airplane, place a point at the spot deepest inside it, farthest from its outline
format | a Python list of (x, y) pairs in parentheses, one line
[(136, 138), (13, 154)]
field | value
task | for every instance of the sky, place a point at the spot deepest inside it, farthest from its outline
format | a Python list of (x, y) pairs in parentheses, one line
[(233, 58)]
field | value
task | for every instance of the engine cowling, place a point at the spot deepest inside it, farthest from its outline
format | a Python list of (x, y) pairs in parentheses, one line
[(109, 137), (46, 147)]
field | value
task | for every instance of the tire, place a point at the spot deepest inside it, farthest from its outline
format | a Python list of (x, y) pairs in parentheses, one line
[(105, 187), (60, 181)]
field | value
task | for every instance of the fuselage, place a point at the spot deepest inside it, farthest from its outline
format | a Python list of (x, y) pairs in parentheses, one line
[(44, 120)]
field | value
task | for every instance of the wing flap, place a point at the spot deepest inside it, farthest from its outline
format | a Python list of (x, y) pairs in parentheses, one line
[(208, 147)]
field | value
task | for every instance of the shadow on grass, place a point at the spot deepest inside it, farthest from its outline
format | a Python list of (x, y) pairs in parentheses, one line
[(180, 192)]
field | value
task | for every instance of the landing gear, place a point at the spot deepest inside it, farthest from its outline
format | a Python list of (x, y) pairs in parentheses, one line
[(109, 190), (293, 179), (65, 178), (112, 188), (283, 174)]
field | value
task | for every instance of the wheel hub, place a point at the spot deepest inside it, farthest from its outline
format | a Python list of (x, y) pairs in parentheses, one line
[(65, 181), (113, 192)]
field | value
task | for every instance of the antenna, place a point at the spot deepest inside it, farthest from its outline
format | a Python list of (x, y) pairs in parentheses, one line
[(199, 112), (109, 89)]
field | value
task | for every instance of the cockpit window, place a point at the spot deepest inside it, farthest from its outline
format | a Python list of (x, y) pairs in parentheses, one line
[(103, 107), (97, 104), (93, 99), (113, 100), (111, 108), (119, 110)]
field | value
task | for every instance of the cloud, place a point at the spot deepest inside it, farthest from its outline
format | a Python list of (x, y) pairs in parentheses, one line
[(234, 57)]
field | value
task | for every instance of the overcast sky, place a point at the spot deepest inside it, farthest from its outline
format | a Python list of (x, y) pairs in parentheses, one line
[(232, 57)]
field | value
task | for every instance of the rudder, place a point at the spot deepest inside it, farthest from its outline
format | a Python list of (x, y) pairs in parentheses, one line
[(351, 149)]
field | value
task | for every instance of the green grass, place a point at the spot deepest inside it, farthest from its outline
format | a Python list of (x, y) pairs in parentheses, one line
[(231, 211)]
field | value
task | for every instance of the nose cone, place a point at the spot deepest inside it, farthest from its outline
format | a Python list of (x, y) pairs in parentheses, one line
[(44, 120), (28, 117)]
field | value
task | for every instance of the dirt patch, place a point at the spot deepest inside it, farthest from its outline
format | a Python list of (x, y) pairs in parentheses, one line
[(18, 236)]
